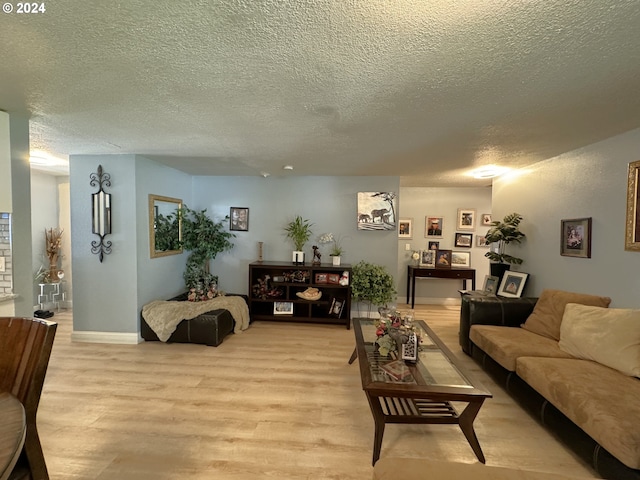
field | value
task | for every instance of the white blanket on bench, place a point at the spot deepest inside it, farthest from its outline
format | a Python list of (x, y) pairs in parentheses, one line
[(164, 316)]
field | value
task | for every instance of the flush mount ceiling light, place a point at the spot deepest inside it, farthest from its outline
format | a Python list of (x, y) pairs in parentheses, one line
[(488, 171), (288, 167), (44, 159), (264, 174)]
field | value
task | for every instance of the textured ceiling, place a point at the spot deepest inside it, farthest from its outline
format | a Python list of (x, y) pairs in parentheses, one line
[(422, 89)]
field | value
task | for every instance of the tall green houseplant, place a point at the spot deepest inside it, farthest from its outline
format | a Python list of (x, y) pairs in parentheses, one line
[(372, 284), (299, 231), (205, 239), (503, 233)]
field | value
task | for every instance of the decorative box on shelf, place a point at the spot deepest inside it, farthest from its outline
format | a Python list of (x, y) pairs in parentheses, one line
[(272, 283)]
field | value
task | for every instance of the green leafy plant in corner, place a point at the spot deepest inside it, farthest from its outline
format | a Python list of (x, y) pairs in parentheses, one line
[(372, 284), (503, 233), (205, 239), (299, 231)]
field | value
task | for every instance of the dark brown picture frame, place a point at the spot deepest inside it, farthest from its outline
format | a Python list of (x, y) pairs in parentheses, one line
[(575, 237), (632, 225), (239, 219), (464, 240), (443, 258)]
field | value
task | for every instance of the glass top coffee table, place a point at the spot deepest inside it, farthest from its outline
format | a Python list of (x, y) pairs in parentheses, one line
[(420, 392)]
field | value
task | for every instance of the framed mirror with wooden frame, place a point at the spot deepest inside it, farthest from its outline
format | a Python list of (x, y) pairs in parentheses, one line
[(165, 226)]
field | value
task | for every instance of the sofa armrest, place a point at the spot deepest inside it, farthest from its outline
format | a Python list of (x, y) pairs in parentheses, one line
[(479, 309)]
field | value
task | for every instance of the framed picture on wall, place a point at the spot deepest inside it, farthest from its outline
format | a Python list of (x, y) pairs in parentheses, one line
[(239, 219), (466, 219), (464, 239), (405, 228), (632, 228), (433, 226), (433, 245), (486, 219), (376, 211), (575, 237)]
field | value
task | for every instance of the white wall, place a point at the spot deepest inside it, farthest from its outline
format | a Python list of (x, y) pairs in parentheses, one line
[(589, 182), (417, 203)]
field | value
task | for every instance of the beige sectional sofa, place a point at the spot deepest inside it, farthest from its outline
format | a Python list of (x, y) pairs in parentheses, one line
[(573, 362)]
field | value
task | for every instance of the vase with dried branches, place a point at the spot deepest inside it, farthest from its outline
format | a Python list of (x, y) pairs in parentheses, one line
[(53, 243)]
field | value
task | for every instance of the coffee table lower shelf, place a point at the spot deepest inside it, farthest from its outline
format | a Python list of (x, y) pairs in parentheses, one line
[(422, 411)]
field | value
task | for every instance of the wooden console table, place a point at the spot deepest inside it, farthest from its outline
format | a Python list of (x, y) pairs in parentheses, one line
[(452, 273)]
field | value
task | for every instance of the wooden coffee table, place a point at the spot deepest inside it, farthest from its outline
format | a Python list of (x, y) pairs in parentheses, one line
[(425, 396)]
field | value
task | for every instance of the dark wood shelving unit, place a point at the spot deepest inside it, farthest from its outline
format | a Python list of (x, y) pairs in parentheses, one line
[(279, 279)]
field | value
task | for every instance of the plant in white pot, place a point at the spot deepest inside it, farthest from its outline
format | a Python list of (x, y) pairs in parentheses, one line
[(299, 231), (337, 250), (502, 233)]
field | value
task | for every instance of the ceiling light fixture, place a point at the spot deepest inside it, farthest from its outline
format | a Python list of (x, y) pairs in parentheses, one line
[(288, 167), (488, 171), (264, 174)]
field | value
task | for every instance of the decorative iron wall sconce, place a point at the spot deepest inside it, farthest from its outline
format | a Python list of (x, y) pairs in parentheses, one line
[(101, 206)]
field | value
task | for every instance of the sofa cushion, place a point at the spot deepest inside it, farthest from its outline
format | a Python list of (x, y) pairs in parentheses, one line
[(506, 344), (547, 314), (610, 336), (603, 402)]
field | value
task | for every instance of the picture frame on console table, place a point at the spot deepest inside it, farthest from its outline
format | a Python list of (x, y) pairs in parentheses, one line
[(512, 284), (575, 237), (490, 284), (443, 258), (427, 258), (461, 259)]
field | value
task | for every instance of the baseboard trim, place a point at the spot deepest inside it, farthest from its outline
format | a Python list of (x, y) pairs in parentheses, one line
[(106, 337), (432, 301)]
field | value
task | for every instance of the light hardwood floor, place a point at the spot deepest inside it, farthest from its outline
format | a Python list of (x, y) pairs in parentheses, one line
[(277, 401)]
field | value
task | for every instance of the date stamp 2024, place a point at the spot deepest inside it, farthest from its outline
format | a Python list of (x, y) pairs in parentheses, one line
[(24, 7)]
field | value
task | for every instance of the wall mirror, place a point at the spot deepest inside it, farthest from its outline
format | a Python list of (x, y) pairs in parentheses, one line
[(165, 227)]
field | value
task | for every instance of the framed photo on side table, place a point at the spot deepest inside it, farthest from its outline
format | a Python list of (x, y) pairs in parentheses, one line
[(460, 259), (427, 258), (575, 240), (490, 284), (512, 284), (443, 258)]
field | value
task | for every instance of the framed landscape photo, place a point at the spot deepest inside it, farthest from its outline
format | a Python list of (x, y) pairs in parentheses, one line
[(466, 219), (490, 284), (512, 284), (433, 226), (427, 258), (575, 238), (464, 239), (405, 228), (239, 219), (443, 258), (632, 228), (283, 308), (460, 259)]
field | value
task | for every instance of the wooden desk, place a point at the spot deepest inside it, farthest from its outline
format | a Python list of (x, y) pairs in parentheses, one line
[(452, 273), (13, 429)]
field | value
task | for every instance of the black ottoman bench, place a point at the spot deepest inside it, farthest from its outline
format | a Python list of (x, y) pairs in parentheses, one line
[(209, 328)]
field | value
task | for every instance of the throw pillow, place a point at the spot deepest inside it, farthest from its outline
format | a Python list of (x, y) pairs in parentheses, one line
[(547, 314), (610, 336)]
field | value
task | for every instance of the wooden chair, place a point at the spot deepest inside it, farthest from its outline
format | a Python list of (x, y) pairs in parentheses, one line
[(25, 348)]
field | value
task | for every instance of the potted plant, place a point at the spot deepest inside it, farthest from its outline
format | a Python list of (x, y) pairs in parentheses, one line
[(299, 231), (372, 284), (337, 250), (204, 238), (503, 233)]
